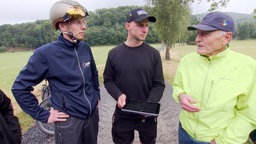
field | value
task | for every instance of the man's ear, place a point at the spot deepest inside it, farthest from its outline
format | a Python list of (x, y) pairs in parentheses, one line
[(228, 38), (62, 26), (127, 25)]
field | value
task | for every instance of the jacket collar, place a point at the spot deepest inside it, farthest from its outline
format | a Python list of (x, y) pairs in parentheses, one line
[(219, 56), (66, 42)]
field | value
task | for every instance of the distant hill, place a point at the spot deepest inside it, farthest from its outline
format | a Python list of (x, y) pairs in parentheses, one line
[(238, 17)]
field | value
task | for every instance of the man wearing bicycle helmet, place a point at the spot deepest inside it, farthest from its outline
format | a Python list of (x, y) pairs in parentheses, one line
[(69, 66)]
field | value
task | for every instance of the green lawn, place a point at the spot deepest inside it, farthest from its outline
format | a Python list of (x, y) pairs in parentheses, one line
[(12, 62)]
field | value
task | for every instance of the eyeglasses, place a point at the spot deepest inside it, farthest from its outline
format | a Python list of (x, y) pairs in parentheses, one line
[(79, 22)]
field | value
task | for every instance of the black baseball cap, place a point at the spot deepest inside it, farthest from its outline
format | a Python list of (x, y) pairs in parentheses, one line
[(139, 15), (215, 21)]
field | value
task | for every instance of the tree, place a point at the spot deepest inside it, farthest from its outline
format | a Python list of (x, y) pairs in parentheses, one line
[(172, 19), (217, 4), (245, 30), (192, 34), (254, 13)]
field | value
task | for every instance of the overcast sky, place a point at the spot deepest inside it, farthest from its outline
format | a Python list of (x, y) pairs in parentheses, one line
[(19, 11)]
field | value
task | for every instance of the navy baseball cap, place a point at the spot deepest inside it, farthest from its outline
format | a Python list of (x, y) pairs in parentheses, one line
[(139, 15), (215, 21)]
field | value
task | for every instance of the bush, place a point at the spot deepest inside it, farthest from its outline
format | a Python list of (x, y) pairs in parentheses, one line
[(2, 49)]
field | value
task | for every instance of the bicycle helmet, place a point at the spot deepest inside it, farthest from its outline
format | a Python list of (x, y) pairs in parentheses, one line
[(65, 10)]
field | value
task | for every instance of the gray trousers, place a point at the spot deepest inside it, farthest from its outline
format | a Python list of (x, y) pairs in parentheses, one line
[(78, 131)]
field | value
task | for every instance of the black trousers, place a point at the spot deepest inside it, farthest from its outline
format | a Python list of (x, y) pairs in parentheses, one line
[(253, 135), (78, 131)]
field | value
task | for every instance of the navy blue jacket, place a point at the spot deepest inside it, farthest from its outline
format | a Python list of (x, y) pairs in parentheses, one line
[(72, 75)]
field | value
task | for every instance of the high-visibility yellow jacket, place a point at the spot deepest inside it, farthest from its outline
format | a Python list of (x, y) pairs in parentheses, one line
[(224, 87)]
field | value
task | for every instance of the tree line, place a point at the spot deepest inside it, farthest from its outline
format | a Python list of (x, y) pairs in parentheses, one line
[(104, 27)]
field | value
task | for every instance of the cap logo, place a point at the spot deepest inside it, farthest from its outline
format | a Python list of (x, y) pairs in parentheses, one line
[(224, 23), (139, 15), (141, 12)]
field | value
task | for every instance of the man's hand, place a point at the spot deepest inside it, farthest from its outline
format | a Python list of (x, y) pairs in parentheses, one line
[(187, 103), (98, 103), (213, 142), (56, 115), (121, 101)]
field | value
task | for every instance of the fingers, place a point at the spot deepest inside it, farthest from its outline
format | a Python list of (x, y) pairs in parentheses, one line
[(56, 115), (187, 103), (98, 103), (121, 101), (189, 107), (192, 101), (213, 141)]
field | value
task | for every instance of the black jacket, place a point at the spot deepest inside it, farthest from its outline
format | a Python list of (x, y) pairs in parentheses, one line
[(10, 132)]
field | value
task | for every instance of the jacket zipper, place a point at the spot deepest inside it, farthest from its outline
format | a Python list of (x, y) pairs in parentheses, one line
[(80, 69), (203, 89), (203, 101)]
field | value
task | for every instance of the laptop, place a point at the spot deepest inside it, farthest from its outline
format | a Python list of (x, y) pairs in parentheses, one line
[(142, 107)]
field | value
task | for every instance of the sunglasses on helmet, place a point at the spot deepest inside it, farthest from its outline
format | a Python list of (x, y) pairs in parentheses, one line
[(75, 12)]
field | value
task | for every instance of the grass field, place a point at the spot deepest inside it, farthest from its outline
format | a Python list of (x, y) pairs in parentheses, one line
[(12, 62)]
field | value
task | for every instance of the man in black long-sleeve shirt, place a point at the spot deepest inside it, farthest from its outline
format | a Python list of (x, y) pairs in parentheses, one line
[(134, 71)]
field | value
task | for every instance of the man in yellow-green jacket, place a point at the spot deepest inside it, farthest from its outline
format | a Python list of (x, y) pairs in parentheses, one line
[(216, 87)]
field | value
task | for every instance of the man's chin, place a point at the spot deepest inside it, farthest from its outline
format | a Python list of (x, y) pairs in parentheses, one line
[(201, 53), (80, 38), (141, 39)]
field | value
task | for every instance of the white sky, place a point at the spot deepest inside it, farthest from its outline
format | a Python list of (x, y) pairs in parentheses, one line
[(19, 11), (240, 6)]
